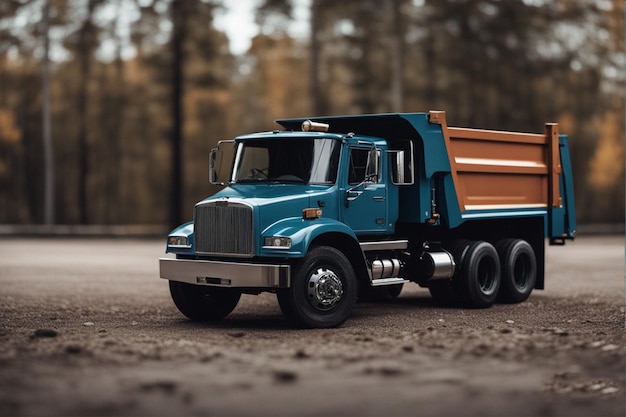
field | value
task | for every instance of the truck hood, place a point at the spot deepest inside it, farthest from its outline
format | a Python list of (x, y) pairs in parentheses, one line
[(278, 201)]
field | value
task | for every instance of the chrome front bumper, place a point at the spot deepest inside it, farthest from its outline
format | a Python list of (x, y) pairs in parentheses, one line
[(225, 274)]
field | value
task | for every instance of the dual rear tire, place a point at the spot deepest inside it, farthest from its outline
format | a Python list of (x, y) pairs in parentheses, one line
[(519, 270), (486, 273)]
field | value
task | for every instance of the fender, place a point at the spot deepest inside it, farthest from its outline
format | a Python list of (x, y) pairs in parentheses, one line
[(302, 233)]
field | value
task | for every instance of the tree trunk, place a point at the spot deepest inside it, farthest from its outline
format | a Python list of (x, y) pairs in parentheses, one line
[(315, 94), (397, 57), (47, 136), (178, 60), (85, 48)]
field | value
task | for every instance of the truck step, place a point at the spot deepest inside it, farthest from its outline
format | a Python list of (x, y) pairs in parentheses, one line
[(387, 281)]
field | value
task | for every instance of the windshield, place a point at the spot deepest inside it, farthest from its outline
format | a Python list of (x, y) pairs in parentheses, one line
[(287, 160)]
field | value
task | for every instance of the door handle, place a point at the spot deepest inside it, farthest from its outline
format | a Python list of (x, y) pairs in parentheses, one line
[(379, 198), (353, 194)]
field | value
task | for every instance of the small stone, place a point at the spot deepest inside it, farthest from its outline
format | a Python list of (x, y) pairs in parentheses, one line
[(301, 354), (88, 323), (610, 390), (408, 348), (505, 330), (389, 371), (480, 350), (73, 349), (509, 322), (164, 386), (45, 333), (285, 376), (607, 348)]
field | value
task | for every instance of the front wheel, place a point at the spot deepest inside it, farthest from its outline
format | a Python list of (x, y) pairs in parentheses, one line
[(202, 303), (323, 289)]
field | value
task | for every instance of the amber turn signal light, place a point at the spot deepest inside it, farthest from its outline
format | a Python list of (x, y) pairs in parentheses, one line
[(311, 213)]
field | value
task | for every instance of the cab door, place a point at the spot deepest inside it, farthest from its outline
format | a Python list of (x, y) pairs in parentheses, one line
[(364, 192)]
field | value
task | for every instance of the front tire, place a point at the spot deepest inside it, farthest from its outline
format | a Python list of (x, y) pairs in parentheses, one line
[(203, 303), (323, 289)]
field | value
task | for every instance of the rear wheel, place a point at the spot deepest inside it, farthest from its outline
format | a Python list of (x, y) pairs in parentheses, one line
[(202, 303), (478, 281), (519, 270), (323, 289)]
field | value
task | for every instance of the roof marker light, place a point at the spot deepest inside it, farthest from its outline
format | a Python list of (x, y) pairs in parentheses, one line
[(309, 126)]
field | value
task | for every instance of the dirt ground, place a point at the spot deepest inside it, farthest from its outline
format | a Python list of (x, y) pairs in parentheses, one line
[(88, 329)]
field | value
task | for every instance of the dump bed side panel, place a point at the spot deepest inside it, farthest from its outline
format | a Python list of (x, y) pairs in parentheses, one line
[(508, 174), (498, 170)]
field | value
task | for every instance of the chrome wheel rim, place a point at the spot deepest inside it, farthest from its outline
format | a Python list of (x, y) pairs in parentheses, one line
[(325, 289)]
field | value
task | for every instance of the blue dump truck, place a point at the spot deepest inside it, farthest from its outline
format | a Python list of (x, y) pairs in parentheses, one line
[(334, 209)]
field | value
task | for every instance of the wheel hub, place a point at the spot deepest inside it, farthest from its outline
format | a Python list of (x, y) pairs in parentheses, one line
[(325, 289)]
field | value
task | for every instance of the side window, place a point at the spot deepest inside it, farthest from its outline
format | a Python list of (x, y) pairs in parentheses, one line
[(363, 163), (401, 162)]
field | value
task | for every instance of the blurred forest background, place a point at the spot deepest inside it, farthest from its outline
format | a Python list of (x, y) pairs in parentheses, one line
[(140, 90)]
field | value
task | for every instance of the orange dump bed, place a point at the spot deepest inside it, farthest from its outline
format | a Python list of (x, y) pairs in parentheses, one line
[(503, 170)]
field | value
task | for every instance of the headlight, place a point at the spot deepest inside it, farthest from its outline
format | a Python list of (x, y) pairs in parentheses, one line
[(277, 242), (178, 241)]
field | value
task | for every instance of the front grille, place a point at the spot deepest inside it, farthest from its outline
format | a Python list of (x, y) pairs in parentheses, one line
[(223, 228)]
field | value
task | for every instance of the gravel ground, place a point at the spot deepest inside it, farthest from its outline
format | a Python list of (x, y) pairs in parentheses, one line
[(88, 329)]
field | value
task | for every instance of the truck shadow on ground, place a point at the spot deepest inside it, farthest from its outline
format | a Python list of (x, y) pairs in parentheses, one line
[(269, 317)]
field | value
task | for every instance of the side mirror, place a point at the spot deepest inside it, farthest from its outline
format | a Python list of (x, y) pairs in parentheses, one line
[(216, 157), (215, 164)]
